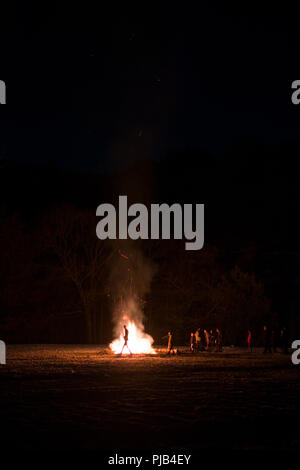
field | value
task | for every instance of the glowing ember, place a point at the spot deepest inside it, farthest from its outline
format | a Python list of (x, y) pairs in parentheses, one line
[(138, 341)]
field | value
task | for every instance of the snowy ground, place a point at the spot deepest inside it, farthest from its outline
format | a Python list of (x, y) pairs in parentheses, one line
[(70, 397)]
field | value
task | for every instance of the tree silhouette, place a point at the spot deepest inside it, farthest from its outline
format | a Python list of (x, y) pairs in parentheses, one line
[(83, 259)]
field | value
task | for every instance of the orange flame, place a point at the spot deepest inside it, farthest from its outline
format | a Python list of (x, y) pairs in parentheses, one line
[(138, 341)]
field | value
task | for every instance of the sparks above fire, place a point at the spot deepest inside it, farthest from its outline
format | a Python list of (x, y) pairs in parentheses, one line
[(137, 341)]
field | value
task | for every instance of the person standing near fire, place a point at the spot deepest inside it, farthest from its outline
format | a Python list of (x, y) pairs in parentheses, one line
[(197, 339), (170, 342), (212, 339), (219, 341), (126, 334), (267, 340), (249, 341), (206, 336), (192, 342)]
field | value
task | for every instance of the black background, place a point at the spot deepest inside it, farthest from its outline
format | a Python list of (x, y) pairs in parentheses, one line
[(164, 103)]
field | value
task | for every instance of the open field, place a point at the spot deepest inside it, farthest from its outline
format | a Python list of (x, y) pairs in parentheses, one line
[(70, 397)]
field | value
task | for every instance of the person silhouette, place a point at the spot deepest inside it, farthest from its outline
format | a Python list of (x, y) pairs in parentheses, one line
[(170, 343), (126, 333), (249, 341), (267, 340)]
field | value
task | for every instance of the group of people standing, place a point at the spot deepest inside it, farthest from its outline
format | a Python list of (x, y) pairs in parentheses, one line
[(272, 340), (212, 340), (204, 340)]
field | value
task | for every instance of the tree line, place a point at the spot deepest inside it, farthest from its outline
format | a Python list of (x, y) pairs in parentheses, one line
[(56, 284)]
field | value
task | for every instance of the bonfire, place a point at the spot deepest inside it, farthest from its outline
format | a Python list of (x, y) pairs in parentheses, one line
[(139, 342)]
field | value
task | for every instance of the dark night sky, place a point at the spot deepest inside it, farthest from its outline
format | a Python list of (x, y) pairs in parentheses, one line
[(204, 90), (92, 89)]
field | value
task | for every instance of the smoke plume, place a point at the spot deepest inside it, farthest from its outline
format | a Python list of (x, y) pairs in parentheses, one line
[(129, 281)]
